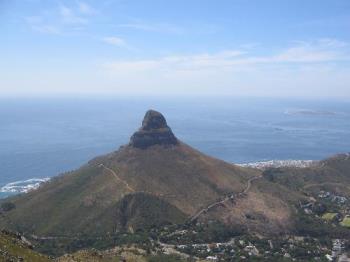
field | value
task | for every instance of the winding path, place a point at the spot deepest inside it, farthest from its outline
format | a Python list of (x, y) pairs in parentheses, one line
[(118, 178), (232, 196)]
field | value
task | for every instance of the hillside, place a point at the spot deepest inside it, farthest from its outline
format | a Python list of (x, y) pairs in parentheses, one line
[(326, 187), (156, 186), (331, 174), (103, 195), (14, 247)]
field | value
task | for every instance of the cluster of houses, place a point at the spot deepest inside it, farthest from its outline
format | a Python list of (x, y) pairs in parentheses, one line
[(341, 204), (338, 252), (332, 197), (244, 249), (290, 248), (216, 251)]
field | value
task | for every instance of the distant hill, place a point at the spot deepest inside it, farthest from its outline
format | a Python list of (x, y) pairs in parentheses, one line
[(330, 174)]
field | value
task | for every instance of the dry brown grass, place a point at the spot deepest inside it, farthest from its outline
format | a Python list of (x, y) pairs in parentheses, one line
[(85, 200)]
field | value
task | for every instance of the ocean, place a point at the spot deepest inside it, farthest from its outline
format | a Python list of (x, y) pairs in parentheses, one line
[(43, 137)]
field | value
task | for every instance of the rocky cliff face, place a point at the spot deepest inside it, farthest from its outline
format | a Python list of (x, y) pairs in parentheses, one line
[(154, 131)]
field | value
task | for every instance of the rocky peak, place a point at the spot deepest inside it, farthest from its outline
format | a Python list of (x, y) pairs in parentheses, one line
[(153, 120), (154, 131)]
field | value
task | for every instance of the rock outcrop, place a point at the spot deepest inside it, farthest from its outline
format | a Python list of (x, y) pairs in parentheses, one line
[(154, 131)]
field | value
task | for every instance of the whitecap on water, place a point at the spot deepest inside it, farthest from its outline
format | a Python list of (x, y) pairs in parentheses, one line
[(23, 186)]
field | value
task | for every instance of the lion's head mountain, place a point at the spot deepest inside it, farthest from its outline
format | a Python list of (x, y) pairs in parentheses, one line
[(156, 179)]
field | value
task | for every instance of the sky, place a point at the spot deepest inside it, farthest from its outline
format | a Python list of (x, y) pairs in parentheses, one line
[(270, 48)]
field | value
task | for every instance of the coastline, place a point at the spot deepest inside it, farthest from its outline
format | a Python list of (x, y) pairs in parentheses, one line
[(22, 186), (280, 163)]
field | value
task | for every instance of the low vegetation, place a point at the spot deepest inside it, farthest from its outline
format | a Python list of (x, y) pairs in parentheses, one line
[(346, 222), (329, 216), (13, 247)]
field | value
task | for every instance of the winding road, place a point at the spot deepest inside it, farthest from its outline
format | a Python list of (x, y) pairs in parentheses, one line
[(232, 196)]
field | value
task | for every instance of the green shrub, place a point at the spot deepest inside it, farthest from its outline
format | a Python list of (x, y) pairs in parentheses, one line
[(7, 206)]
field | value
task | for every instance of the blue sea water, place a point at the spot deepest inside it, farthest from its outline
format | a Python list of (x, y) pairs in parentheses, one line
[(41, 138)]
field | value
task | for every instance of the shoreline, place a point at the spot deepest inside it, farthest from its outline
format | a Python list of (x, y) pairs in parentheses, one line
[(280, 163)]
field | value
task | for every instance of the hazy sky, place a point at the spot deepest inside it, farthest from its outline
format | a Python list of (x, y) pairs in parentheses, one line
[(229, 47)]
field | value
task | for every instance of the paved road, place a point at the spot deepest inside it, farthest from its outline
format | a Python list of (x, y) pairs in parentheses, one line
[(229, 197)]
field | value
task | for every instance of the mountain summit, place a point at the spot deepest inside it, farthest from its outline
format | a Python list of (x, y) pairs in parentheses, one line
[(154, 131)]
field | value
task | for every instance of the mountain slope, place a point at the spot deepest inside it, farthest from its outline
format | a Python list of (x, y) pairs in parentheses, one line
[(331, 174), (176, 178), (13, 247), (157, 179)]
